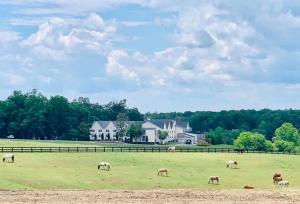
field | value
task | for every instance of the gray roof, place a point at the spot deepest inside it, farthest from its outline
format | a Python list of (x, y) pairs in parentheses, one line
[(160, 122), (182, 124), (104, 124)]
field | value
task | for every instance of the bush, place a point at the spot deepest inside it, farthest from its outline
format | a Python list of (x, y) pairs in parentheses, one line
[(284, 146), (252, 141), (203, 143)]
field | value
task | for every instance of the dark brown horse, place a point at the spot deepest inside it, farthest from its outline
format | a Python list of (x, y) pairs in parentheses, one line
[(277, 179), (211, 179)]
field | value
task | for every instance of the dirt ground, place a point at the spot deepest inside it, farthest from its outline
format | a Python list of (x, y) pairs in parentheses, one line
[(152, 196)]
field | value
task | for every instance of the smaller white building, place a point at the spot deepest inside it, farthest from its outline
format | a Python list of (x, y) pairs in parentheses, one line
[(190, 138)]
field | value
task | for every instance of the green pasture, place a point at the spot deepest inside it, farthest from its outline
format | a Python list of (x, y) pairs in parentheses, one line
[(66, 143), (138, 171)]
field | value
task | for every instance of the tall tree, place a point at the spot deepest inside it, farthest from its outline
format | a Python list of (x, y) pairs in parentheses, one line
[(122, 121)]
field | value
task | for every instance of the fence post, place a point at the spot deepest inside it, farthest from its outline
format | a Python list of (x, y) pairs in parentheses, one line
[(215, 150), (58, 149), (144, 149), (152, 149), (121, 149), (129, 149), (159, 149)]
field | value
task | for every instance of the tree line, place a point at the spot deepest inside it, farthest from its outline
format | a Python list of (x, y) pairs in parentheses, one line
[(33, 116), (225, 126)]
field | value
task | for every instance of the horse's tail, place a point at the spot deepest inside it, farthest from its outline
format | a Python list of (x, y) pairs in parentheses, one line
[(227, 165), (99, 166), (3, 159)]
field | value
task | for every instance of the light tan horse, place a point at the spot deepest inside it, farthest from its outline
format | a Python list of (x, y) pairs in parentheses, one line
[(161, 171), (172, 149)]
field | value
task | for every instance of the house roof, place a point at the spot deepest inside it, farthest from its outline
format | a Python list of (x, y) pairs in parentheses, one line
[(104, 124), (161, 122)]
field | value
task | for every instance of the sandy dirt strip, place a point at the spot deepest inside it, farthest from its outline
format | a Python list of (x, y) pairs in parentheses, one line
[(152, 196)]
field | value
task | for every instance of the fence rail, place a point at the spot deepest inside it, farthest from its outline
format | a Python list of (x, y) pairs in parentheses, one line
[(132, 149)]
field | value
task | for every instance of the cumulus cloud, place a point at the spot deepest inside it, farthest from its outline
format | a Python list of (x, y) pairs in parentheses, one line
[(58, 37), (8, 37)]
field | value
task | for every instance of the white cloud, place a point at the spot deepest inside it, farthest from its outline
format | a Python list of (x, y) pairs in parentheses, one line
[(58, 37), (8, 37)]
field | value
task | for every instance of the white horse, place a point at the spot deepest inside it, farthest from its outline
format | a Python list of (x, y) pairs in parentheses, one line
[(172, 149), (232, 164), (104, 166), (9, 158), (283, 183)]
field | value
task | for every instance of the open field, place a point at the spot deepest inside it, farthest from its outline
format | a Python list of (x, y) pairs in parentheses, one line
[(153, 196), (33, 171), (66, 143)]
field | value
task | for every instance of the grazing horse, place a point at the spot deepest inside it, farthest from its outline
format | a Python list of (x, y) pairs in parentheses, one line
[(232, 163), (160, 171), (277, 179), (283, 183), (248, 187), (172, 149), (9, 158), (211, 179), (104, 166), (241, 151), (276, 175)]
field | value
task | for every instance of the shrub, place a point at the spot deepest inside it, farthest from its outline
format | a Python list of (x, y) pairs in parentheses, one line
[(203, 143), (282, 145)]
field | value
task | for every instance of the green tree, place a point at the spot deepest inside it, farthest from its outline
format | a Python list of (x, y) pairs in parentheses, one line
[(287, 132), (162, 135), (134, 131), (282, 145), (252, 141), (122, 121)]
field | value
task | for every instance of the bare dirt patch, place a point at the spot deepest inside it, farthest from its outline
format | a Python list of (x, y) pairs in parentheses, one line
[(152, 196)]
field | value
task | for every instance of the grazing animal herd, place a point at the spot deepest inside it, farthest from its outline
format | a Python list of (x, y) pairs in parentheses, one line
[(232, 164)]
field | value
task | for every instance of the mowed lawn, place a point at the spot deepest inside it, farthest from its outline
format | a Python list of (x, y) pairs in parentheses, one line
[(138, 170)]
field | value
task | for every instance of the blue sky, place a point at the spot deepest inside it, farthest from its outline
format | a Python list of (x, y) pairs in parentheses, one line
[(161, 55)]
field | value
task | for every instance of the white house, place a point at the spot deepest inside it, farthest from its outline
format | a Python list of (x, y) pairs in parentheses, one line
[(172, 127), (106, 130), (103, 130)]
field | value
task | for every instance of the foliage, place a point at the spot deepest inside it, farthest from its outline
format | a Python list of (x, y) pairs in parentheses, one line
[(263, 121), (282, 145), (287, 132), (34, 116), (252, 141), (121, 121), (134, 131), (162, 134), (203, 143), (223, 136)]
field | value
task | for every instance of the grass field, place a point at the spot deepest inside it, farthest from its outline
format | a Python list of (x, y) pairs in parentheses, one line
[(66, 143), (138, 171)]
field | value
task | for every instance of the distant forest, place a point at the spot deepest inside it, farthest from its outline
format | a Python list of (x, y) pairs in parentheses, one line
[(34, 116)]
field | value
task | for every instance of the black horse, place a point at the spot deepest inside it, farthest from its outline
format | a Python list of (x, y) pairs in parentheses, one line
[(241, 151)]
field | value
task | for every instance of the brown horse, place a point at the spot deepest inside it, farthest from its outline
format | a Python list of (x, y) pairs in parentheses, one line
[(248, 187), (160, 171), (277, 179), (211, 179)]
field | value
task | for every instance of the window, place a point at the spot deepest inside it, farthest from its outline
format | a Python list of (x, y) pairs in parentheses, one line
[(100, 130), (115, 130)]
